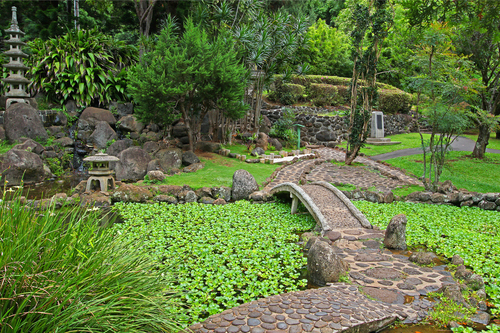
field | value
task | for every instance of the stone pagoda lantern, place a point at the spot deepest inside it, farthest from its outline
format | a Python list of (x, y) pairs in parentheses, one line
[(101, 176), (16, 82)]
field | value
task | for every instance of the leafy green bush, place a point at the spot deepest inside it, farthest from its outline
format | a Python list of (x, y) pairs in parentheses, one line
[(283, 127), (327, 50), (63, 272), (391, 101), (287, 93), (86, 66), (223, 255), (469, 232), (323, 94)]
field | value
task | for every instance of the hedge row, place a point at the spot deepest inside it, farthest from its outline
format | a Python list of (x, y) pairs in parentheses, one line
[(333, 90)]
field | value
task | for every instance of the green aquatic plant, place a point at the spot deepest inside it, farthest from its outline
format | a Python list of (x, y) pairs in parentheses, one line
[(223, 256)]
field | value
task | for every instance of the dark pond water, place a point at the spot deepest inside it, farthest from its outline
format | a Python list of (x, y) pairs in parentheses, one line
[(48, 188)]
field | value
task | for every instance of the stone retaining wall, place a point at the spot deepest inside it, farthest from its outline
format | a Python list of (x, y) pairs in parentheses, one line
[(326, 129)]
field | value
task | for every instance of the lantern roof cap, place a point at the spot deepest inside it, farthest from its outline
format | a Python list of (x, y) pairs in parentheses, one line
[(101, 157)]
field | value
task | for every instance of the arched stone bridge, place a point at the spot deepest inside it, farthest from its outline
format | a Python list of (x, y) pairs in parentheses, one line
[(328, 205)]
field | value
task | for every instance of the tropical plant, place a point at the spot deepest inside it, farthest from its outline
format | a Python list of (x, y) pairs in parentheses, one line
[(445, 80), (326, 50), (201, 75), (477, 36), (267, 45), (86, 66), (62, 271), (283, 127)]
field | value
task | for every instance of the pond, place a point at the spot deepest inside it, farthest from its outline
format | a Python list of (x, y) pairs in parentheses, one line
[(49, 188)]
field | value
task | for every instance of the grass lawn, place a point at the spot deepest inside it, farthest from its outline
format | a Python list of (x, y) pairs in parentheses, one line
[(464, 172), (410, 140), (494, 143), (219, 170)]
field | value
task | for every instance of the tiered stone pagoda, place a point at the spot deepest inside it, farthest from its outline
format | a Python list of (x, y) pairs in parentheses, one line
[(16, 82)]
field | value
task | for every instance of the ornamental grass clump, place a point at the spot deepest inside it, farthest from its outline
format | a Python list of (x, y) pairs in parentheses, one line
[(60, 271)]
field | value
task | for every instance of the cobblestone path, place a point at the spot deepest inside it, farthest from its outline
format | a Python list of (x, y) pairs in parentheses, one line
[(384, 286)]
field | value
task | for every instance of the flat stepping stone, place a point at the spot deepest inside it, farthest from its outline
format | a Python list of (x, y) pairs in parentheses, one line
[(383, 273)]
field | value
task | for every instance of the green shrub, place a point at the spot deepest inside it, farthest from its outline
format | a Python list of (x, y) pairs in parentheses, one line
[(323, 94), (394, 101), (344, 94), (327, 50), (283, 127), (86, 66), (223, 255), (286, 93), (63, 272)]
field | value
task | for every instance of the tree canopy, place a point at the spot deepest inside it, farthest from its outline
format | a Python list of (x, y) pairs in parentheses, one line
[(187, 74)]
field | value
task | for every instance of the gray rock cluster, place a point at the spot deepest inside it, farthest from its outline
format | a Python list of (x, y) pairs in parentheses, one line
[(486, 201)]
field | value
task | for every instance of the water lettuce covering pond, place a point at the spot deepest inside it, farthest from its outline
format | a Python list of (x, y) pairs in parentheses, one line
[(221, 256), (470, 232)]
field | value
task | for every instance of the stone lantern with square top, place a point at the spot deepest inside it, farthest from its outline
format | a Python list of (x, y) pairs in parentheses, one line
[(101, 176)]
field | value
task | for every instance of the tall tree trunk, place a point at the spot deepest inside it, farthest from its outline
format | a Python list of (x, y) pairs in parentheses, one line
[(187, 123), (482, 141)]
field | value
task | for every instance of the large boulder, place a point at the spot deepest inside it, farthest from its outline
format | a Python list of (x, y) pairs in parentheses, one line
[(118, 146), (65, 142), (193, 167), (156, 175), (188, 158), (130, 124), (17, 165), (326, 135), (179, 130), (131, 193), (102, 134), (222, 192), (151, 147), (169, 158), (262, 141), (122, 109), (395, 234), (422, 258), (133, 164), (94, 115), (23, 120), (244, 184), (208, 146), (324, 264), (275, 143), (31, 146), (265, 125)]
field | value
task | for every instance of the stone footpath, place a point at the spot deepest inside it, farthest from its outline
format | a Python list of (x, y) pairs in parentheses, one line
[(384, 287), (370, 174)]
